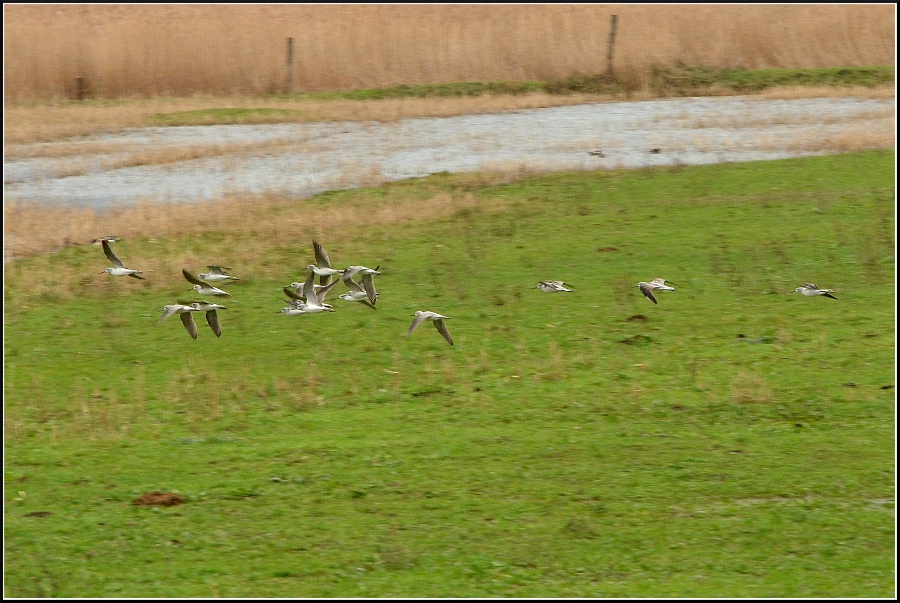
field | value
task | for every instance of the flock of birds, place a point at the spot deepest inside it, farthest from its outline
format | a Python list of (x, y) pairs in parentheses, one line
[(308, 297)]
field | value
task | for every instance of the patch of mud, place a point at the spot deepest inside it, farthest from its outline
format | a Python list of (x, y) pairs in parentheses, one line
[(159, 499)]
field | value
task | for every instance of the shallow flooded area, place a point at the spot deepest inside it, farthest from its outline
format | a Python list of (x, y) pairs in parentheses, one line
[(184, 164)]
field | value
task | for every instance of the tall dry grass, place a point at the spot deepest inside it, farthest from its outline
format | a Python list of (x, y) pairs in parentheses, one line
[(182, 50), (33, 229)]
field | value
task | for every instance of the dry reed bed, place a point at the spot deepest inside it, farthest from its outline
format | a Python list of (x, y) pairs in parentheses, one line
[(183, 50)]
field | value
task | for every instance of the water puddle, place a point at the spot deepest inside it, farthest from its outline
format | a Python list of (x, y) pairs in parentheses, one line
[(184, 164)]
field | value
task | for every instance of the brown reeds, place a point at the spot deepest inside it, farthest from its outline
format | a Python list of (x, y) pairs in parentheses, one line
[(141, 50), (32, 229)]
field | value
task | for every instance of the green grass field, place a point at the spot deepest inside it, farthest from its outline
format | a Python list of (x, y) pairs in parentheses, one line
[(735, 440)]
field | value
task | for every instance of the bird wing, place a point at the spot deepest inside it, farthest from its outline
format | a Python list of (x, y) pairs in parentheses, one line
[(110, 255), (320, 294), (187, 320), (213, 319), (309, 287), (321, 256), (167, 312), (351, 284), (441, 326), (293, 294), (369, 285), (191, 278), (351, 271), (417, 321), (218, 269), (659, 281), (648, 291)]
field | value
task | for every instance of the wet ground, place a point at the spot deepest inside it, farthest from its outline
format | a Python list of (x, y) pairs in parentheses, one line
[(169, 163)]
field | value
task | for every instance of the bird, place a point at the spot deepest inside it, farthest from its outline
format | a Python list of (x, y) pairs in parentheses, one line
[(810, 290), (298, 287), (298, 300), (436, 319), (110, 239), (357, 294), (324, 269), (201, 287), (212, 319), (118, 268), (292, 309), (216, 274), (551, 286), (657, 283), (184, 311), (366, 283), (597, 153), (293, 305), (311, 304)]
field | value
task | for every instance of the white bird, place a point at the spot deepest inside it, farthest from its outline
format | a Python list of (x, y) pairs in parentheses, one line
[(298, 287), (357, 295), (648, 288), (217, 274), (551, 286), (202, 287), (184, 311), (118, 268), (298, 300), (293, 305), (293, 310), (324, 269), (311, 304), (436, 319), (366, 282), (212, 319), (810, 290)]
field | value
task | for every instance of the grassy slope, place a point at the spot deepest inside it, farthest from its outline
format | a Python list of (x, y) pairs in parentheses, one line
[(734, 440)]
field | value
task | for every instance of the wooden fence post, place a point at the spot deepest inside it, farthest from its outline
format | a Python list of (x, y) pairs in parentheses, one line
[(80, 90), (610, 44), (289, 65)]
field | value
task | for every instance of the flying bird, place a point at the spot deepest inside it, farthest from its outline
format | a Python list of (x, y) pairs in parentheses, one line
[(810, 290), (202, 287), (184, 312), (313, 302), (118, 268), (551, 286), (365, 282), (436, 319), (212, 319), (648, 288), (324, 269), (217, 274)]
